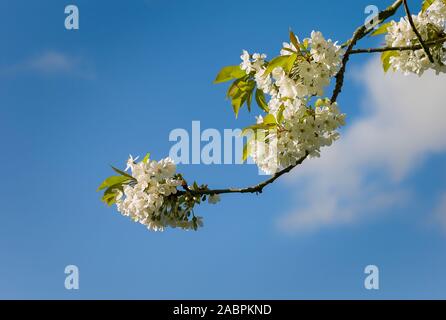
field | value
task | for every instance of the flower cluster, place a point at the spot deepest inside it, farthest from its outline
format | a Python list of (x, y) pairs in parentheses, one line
[(151, 199), (431, 24), (297, 128), (303, 131)]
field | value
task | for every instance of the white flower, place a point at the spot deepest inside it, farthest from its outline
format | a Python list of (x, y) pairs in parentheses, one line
[(288, 49), (144, 200), (437, 13), (131, 162), (307, 71), (401, 34), (258, 61), (258, 56), (304, 131), (263, 82), (246, 62)]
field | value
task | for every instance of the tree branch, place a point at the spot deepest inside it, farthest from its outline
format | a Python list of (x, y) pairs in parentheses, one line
[(360, 33), (414, 28), (253, 189), (406, 48)]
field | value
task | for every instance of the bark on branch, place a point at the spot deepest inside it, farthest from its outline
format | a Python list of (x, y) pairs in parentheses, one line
[(417, 33), (406, 48), (360, 33)]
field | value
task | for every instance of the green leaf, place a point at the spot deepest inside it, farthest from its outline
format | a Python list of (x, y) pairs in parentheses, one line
[(385, 58), (426, 4), (238, 102), (110, 198), (291, 60), (382, 29), (294, 41), (321, 102), (247, 149), (232, 89), (261, 100), (269, 122), (280, 117), (146, 158), (280, 61), (125, 174), (113, 181), (229, 73), (240, 92), (249, 100), (111, 194), (259, 126), (289, 50), (269, 119)]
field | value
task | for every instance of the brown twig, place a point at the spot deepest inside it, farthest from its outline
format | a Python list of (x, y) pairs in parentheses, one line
[(406, 48), (360, 33), (419, 37), (254, 189)]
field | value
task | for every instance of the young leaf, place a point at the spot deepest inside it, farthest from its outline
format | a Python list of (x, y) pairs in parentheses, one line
[(109, 198), (382, 29), (238, 102), (249, 100), (259, 126), (111, 194), (229, 73), (146, 158), (426, 4), (280, 61), (112, 181), (385, 58), (269, 119), (240, 92), (261, 101), (289, 50), (280, 117), (247, 149), (290, 63), (294, 40), (321, 102), (122, 173)]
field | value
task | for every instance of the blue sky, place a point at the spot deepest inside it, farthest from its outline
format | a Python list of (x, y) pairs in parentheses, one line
[(73, 102)]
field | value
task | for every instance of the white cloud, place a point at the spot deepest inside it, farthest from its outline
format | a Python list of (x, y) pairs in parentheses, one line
[(363, 173), (50, 63)]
